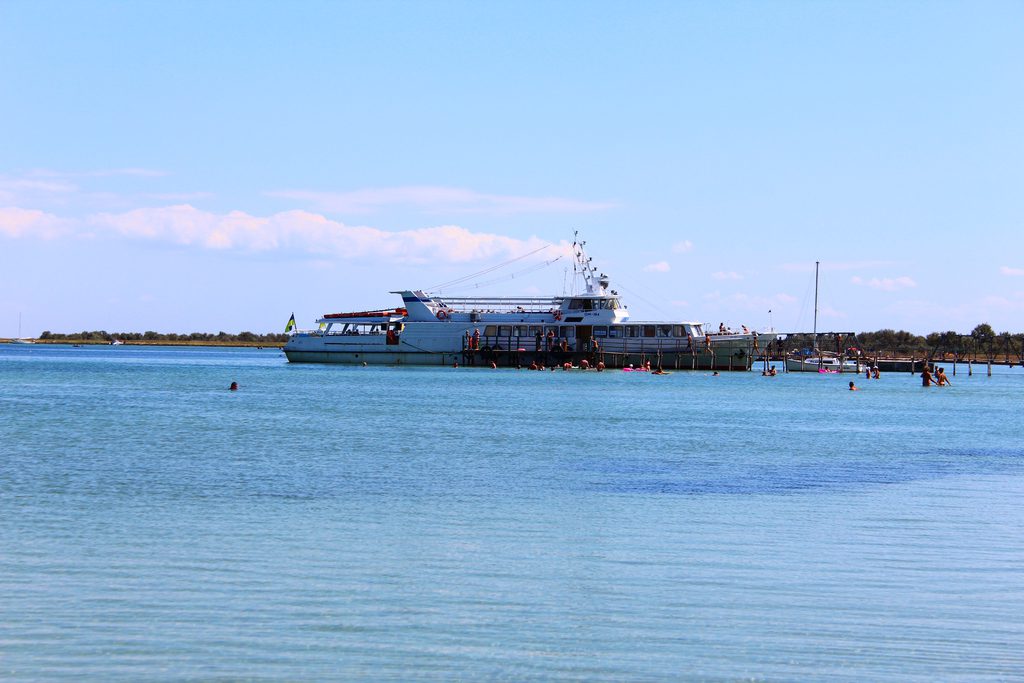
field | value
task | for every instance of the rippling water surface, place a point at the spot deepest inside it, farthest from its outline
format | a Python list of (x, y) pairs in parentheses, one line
[(439, 524)]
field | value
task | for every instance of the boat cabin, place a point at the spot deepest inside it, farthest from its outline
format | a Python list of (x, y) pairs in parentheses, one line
[(389, 326)]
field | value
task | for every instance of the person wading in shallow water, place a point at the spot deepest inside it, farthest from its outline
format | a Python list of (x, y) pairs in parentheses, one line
[(926, 377)]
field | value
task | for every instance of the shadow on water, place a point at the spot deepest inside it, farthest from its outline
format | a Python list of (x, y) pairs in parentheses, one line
[(675, 477)]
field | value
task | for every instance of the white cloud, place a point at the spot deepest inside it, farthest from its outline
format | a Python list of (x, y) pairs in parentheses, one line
[(829, 312), (1007, 270), (15, 222), (885, 284), (178, 196), (659, 267), (47, 188), (137, 172), (40, 186), (312, 233), (757, 301), (99, 173), (682, 247), (726, 275), (750, 301), (449, 199)]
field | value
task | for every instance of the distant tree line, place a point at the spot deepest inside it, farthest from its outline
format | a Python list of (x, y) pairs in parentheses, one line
[(149, 335), (981, 342)]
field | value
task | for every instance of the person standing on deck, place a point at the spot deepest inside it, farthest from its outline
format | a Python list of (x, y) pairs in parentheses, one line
[(537, 339), (476, 339)]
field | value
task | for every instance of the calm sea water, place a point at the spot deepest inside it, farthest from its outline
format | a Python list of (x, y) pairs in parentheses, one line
[(439, 524)]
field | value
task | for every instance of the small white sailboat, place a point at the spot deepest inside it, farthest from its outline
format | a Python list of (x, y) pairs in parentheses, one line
[(18, 339), (820, 361), (823, 364)]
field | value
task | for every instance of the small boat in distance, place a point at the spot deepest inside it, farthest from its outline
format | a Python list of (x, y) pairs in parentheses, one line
[(591, 325), (817, 360), (19, 339), (823, 364), (116, 342)]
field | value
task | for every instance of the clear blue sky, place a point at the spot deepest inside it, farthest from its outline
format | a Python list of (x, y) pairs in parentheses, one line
[(207, 166)]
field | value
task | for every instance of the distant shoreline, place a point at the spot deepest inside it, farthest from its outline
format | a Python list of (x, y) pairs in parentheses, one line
[(154, 342)]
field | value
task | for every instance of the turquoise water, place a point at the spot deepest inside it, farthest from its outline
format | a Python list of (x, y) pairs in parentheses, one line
[(439, 524)]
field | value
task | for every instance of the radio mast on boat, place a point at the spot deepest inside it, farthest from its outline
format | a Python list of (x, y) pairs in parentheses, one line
[(816, 305), (581, 265)]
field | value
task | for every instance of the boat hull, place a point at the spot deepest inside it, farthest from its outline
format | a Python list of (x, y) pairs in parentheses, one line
[(735, 354), (812, 365), (900, 365)]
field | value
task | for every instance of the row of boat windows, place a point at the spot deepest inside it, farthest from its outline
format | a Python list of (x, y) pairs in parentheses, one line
[(365, 328), (594, 304), (600, 331), (560, 331)]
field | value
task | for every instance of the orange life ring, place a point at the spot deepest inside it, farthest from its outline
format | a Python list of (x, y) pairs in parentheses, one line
[(442, 314)]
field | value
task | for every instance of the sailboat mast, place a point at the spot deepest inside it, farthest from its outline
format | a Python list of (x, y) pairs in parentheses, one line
[(816, 304)]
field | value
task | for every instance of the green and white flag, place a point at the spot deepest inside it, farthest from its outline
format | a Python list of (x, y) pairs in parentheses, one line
[(291, 324)]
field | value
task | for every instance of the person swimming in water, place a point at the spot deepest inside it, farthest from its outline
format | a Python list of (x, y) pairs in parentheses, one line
[(233, 387), (853, 387)]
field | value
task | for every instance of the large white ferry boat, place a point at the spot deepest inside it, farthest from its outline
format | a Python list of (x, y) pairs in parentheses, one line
[(593, 325)]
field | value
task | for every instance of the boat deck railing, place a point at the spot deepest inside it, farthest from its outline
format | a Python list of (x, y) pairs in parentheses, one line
[(520, 304)]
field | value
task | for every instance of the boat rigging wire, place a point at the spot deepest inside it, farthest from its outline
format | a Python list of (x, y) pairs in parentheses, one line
[(485, 271), (634, 293), (512, 276)]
